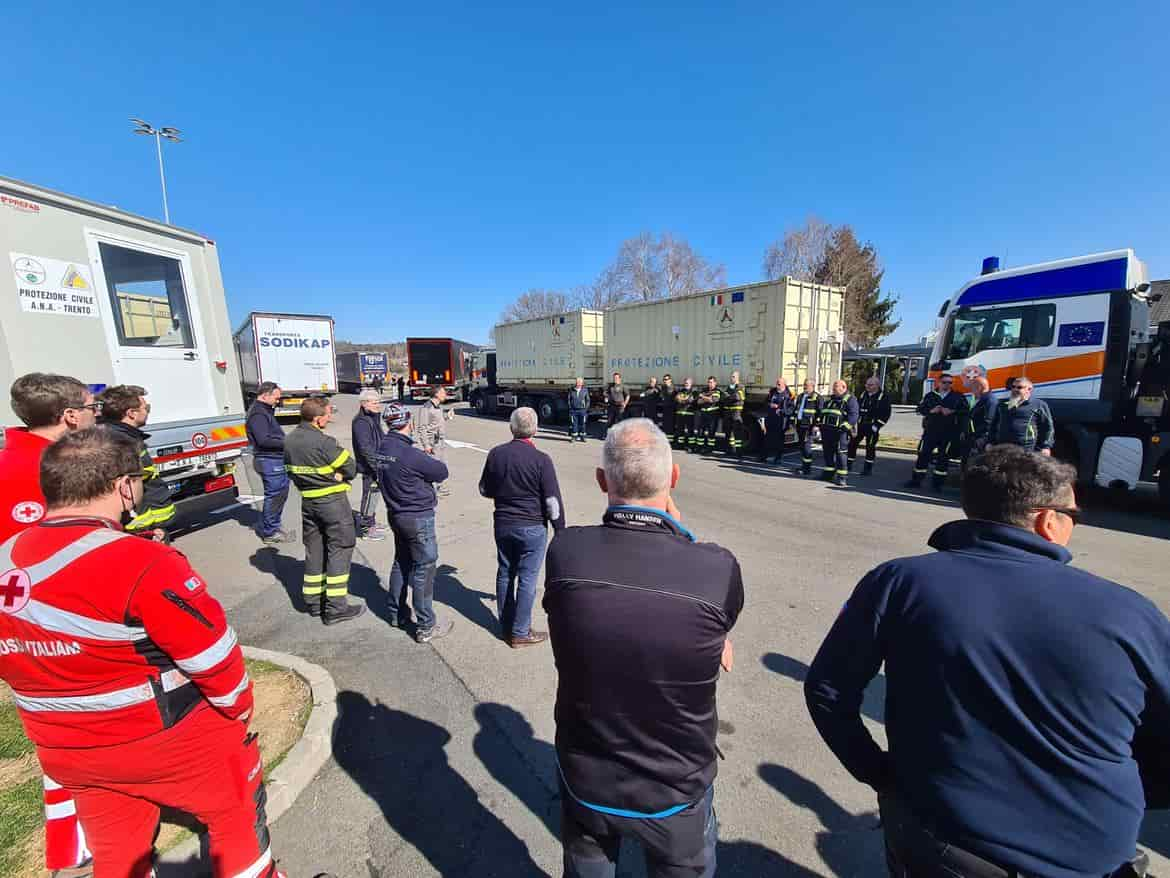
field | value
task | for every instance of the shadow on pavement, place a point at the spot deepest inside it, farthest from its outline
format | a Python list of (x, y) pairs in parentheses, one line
[(400, 762), (289, 572), (873, 705), (851, 844), (504, 734), (450, 590)]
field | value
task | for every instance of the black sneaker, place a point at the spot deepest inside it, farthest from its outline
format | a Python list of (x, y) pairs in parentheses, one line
[(441, 628)]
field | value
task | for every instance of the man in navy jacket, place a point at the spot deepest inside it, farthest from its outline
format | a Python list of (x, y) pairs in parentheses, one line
[(1016, 687), (267, 440), (522, 481), (367, 433), (407, 477)]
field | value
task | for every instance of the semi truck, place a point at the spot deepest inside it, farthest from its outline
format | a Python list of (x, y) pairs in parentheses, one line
[(356, 370), (1080, 329), (784, 327), (295, 351), (112, 298), (438, 362), (535, 362)]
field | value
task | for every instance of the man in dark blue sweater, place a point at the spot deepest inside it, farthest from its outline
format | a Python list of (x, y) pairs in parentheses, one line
[(407, 477), (267, 440), (1015, 689), (367, 433), (523, 483)]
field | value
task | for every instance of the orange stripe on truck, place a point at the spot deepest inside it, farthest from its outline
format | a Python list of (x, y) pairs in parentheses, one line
[(236, 431), (1088, 365)]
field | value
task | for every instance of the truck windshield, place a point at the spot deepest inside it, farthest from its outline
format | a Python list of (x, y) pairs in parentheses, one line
[(1018, 326), (430, 361)]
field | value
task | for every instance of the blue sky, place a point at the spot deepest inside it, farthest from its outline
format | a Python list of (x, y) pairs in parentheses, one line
[(411, 169)]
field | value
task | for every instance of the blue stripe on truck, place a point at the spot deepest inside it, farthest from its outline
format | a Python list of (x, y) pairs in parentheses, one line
[(1073, 280)]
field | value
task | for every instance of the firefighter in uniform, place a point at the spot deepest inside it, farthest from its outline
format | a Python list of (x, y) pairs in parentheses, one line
[(134, 693), (669, 405), (710, 402), (781, 407), (875, 410), (942, 411), (839, 415), (805, 412), (734, 398), (684, 423), (321, 469), (125, 410)]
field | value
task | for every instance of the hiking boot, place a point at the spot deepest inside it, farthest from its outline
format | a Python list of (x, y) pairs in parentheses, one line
[(281, 536), (532, 638), (441, 628), (340, 610), (313, 606)]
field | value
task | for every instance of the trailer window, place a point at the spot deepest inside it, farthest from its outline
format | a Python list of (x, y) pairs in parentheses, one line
[(1019, 326), (147, 297)]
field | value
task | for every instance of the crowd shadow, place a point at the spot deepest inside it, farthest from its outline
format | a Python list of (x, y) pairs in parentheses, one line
[(850, 844), (400, 762), (467, 602), (504, 734), (290, 572), (873, 705)]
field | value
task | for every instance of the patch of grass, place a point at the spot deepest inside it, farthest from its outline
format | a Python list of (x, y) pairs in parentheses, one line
[(898, 443), (258, 668), (21, 815), (13, 742)]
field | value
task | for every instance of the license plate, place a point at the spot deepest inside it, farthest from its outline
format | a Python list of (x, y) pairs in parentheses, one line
[(199, 460), (290, 403)]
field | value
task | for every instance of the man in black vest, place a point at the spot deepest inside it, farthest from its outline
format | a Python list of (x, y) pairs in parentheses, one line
[(637, 668), (838, 421), (941, 410), (874, 413)]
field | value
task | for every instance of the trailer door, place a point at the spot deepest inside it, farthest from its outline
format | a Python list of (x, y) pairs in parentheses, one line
[(152, 325)]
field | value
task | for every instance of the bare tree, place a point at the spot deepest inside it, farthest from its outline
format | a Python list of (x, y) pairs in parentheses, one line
[(535, 303), (683, 271), (800, 252), (646, 269)]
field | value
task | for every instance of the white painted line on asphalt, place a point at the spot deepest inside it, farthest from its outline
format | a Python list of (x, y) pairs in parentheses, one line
[(452, 443), (242, 500)]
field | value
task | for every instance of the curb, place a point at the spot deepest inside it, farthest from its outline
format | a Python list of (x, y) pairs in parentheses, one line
[(307, 756)]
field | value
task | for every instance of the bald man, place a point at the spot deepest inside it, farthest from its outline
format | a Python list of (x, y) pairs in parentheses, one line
[(838, 420), (973, 437), (874, 410)]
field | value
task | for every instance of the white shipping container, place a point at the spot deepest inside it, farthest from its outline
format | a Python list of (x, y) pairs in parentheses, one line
[(551, 351), (763, 330)]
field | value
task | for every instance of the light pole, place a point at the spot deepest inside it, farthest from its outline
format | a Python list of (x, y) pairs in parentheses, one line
[(158, 134)]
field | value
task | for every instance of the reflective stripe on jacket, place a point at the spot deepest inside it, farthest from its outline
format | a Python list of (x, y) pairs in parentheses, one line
[(840, 412), (316, 462), (155, 509)]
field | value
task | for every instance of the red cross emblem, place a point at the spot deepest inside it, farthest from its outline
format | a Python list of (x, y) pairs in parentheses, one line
[(28, 511), (15, 590)]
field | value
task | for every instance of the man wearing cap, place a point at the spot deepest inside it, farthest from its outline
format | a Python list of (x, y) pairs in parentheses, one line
[(367, 436), (407, 477)]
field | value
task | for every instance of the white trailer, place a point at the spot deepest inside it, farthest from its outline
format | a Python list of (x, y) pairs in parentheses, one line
[(113, 298), (537, 361), (296, 351)]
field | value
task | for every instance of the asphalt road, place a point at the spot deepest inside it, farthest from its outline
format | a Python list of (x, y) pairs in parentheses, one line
[(443, 761)]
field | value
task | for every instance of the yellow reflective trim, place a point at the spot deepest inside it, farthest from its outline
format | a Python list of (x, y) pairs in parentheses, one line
[(340, 459), (337, 580), (313, 591), (313, 493), (151, 517), (337, 592), (314, 577)]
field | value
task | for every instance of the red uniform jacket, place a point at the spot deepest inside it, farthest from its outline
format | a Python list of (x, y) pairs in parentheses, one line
[(106, 638), (21, 501)]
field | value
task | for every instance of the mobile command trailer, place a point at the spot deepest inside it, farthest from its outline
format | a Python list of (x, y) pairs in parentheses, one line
[(537, 361), (357, 370), (439, 362), (763, 330), (113, 298), (1080, 330), (294, 350)]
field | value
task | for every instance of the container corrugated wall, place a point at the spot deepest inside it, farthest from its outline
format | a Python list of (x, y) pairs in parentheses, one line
[(762, 330), (550, 350)]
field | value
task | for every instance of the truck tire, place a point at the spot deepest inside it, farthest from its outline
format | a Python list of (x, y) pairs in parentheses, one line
[(479, 403), (546, 410)]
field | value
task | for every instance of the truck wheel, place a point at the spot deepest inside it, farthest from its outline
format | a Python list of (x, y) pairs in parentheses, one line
[(546, 411), (479, 404)]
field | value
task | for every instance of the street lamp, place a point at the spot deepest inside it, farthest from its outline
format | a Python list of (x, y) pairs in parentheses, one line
[(158, 134)]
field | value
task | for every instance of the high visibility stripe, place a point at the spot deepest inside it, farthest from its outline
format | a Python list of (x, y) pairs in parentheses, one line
[(233, 696), (917, 470), (337, 580), (67, 808), (115, 700), (340, 459), (64, 556), (319, 470), (314, 577), (63, 622), (313, 493), (49, 784), (842, 472), (337, 592), (173, 679), (257, 868), (151, 518), (211, 656), (312, 591)]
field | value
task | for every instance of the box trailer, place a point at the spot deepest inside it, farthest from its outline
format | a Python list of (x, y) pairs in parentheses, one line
[(537, 361), (358, 369), (438, 362), (113, 298), (294, 350)]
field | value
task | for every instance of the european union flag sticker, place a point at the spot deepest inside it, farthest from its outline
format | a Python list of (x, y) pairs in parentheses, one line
[(737, 297), (1081, 334)]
